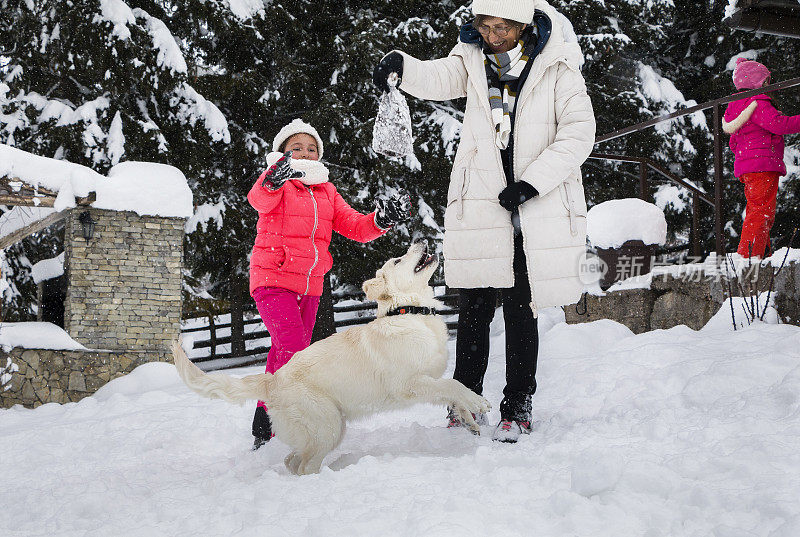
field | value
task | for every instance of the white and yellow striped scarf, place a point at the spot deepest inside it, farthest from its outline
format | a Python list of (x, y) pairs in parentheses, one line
[(503, 70)]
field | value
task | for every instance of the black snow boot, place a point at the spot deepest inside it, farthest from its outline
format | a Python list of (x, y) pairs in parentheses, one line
[(515, 418), (262, 428)]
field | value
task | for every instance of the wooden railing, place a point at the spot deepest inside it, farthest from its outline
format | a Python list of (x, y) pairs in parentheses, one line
[(698, 195), (259, 353)]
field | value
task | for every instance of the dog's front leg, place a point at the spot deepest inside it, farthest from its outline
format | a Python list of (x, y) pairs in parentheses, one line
[(423, 389)]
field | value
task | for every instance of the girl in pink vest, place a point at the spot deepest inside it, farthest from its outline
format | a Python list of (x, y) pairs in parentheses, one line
[(757, 131), (298, 210)]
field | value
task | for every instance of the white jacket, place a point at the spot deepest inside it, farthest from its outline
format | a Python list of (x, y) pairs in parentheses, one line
[(554, 131)]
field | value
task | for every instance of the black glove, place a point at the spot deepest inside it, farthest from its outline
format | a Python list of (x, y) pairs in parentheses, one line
[(280, 172), (516, 194), (391, 63), (390, 211)]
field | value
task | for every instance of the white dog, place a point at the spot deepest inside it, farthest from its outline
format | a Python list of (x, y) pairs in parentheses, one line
[(394, 361)]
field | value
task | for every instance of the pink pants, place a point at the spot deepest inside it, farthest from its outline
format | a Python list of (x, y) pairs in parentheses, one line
[(289, 318)]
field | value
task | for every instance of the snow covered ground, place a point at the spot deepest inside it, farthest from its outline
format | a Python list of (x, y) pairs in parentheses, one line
[(667, 433)]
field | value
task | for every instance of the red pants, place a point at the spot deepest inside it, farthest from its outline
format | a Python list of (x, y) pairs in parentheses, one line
[(761, 191), (289, 318)]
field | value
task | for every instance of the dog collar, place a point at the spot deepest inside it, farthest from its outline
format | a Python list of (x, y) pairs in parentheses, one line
[(418, 310)]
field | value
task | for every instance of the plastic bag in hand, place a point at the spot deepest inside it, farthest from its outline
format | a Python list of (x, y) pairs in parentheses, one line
[(391, 135)]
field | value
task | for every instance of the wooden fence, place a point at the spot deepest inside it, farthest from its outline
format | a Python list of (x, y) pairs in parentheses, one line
[(259, 352)]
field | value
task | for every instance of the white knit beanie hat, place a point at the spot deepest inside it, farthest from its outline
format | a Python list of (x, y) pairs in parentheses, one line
[(515, 10), (296, 127)]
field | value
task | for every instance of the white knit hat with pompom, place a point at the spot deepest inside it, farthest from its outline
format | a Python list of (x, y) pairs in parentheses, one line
[(297, 126)]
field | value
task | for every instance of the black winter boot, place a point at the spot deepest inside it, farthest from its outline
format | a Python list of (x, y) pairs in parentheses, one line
[(515, 412), (516, 406), (262, 428)]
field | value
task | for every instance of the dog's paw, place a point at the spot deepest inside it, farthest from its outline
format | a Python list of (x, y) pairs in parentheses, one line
[(468, 419), (474, 428), (476, 403), (292, 462)]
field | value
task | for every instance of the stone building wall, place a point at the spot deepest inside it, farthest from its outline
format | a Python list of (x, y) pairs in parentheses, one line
[(123, 302), (48, 376), (124, 290)]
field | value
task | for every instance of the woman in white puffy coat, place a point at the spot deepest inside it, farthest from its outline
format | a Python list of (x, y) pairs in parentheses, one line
[(515, 221)]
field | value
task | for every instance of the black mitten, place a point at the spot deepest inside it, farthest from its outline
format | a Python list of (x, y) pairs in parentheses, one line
[(280, 172), (391, 63), (516, 194), (392, 210)]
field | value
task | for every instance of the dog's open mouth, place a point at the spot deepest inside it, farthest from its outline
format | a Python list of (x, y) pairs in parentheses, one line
[(424, 261)]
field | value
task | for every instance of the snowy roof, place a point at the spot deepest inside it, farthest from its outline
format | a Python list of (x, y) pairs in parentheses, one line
[(145, 188), (611, 223), (773, 17)]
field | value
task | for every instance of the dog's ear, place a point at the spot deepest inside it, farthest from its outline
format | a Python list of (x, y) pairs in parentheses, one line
[(375, 289)]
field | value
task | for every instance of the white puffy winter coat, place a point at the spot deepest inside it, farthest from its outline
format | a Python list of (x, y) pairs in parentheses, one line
[(554, 132)]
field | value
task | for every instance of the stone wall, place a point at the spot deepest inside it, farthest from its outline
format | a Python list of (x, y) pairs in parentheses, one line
[(48, 376), (787, 295), (690, 299), (124, 289)]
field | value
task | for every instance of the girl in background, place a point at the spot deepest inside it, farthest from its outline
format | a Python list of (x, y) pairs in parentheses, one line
[(757, 131)]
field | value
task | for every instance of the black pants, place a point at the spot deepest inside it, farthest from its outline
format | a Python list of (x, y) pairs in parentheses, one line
[(476, 309)]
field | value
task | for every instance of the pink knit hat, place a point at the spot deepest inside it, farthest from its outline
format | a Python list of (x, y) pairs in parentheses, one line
[(749, 74)]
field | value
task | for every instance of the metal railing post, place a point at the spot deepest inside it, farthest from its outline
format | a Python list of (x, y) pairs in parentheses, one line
[(643, 190), (718, 225), (695, 225)]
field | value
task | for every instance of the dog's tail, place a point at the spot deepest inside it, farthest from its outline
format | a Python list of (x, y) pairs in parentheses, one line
[(219, 386)]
